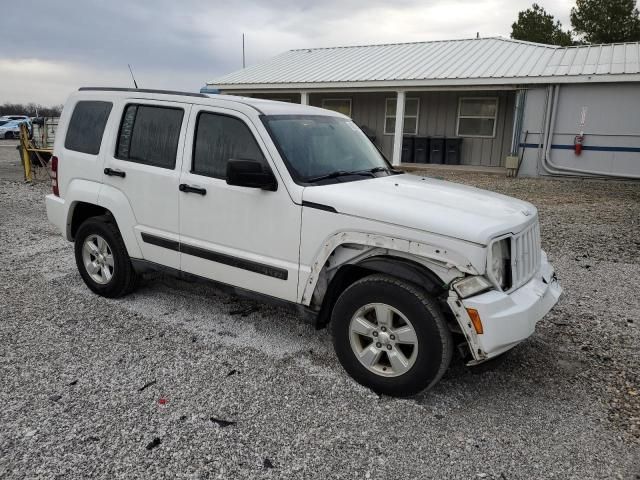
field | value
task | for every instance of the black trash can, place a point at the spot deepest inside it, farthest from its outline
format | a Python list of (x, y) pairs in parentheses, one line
[(436, 150), (421, 149), (452, 151), (407, 150)]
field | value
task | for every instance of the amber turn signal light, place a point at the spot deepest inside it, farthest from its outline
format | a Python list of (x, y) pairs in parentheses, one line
[(475, 319)]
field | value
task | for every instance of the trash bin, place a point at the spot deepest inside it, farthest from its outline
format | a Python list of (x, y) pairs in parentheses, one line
[(436, 150), (421, 149), (407, 150), (452, 151)]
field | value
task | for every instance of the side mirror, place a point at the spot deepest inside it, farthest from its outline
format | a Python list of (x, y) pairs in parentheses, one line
[(252, 174)]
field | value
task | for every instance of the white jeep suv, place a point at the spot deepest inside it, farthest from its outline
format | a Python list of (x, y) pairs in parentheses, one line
[(294, 204)]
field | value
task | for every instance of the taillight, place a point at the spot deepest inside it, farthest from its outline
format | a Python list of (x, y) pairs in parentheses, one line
[(54, 176)]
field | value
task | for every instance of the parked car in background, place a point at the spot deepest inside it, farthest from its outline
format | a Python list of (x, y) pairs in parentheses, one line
[(295, 205), (16, 117), (11, 129)]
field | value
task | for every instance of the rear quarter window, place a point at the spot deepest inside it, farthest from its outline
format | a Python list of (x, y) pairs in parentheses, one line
[(86, 126)]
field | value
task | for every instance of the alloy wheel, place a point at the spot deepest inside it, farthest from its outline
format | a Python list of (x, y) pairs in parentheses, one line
[(383, 339), (98, 259)]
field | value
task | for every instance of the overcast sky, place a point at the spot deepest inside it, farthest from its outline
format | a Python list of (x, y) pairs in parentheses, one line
[(50, 47)]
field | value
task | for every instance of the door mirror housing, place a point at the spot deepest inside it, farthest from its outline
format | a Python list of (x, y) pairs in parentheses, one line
[(252, 174)]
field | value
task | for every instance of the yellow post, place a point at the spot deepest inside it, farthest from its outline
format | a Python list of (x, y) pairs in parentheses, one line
[(24, 151)]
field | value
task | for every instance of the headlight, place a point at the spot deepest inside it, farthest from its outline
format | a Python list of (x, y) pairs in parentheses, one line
[(500, 263), (471, 286)]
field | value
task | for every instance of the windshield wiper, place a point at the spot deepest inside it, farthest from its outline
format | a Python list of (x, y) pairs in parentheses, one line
[(339, 173), (384, 169)]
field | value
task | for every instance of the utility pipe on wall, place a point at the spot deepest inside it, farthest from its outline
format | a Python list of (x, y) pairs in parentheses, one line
[(547, 163)]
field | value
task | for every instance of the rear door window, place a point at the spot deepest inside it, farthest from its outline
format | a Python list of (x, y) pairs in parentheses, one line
[(220, 138), (149, 134), (86, 126)]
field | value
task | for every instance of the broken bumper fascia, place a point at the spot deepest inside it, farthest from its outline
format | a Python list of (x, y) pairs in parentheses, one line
[(507, 318)]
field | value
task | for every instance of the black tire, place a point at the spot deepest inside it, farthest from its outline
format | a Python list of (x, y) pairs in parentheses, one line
[(124, 277), (9, 136), (435, 345)]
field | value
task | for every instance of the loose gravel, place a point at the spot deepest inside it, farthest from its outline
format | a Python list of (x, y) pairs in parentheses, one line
[(180, 380)]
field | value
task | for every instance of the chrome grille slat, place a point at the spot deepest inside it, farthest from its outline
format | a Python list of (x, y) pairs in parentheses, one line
[(525, 255)]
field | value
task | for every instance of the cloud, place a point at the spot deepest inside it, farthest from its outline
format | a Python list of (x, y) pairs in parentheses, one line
[(181, 45)]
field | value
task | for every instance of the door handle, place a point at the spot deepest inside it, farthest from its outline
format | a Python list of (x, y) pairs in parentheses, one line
[(114, 173), (189, 189)]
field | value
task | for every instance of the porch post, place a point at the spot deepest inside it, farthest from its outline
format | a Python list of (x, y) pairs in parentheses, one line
[(399, 128), (304, 98)]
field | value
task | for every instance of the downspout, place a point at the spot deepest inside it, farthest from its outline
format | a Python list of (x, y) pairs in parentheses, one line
[(554, 169), (544, 125), (517, 121)]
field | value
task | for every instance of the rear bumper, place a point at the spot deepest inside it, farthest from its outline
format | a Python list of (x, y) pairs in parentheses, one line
[(508, 319), (57, 213)]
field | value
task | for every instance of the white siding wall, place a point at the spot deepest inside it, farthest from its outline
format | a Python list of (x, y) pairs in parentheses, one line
[(612, 122)]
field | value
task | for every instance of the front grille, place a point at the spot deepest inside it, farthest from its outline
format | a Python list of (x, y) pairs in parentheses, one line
[(525, 255)]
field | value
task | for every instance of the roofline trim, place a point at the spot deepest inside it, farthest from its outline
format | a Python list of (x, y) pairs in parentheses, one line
[(400, 84), (504, 39)]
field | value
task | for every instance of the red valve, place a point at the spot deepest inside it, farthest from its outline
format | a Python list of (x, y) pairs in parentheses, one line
[(578, 141)]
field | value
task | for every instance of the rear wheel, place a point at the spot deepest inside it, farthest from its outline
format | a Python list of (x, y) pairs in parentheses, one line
[(390, 336), (102, 258)]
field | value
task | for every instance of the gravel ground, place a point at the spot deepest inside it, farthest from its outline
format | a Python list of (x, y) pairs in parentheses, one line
[(180, 380)]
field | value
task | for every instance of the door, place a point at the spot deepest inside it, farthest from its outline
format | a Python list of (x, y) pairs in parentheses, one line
[(241, 236), (145, 166)]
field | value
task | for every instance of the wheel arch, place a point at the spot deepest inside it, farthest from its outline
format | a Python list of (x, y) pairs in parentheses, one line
[(389, 264), (90, 202), (80, 211)]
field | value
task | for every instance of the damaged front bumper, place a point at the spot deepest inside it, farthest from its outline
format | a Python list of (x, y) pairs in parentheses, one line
[(507, 318)]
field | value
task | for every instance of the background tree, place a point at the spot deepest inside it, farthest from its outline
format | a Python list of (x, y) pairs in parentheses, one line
[(606, 21), (30, 109), (536, 25)]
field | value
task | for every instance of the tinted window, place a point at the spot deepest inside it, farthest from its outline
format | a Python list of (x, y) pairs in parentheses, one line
[(149, 135), (87, 126), (218, 139)]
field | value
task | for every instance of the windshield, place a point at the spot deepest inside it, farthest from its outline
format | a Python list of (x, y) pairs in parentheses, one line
[(315, 146)]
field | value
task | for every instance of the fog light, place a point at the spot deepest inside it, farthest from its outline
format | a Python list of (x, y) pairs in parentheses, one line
[(475, 320)]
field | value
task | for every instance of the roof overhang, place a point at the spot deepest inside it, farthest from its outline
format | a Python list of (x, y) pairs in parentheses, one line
[(434, 84)]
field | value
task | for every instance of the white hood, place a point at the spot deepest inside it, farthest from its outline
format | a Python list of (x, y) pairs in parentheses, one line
[(427, 204)]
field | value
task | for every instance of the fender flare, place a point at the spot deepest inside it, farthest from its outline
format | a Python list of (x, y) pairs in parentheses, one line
[(117, 203), (443, 257), (81, 191)]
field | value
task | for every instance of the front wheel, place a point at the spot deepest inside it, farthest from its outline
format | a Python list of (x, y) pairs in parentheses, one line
[(390, 336), (102, 258)]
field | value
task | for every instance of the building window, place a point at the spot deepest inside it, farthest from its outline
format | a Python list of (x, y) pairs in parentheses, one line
[(411, 110), (149, 135), (340, 105), (218, 139), (477, 117), (87, 126)]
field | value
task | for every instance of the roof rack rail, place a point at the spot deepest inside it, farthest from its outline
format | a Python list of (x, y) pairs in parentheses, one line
[(141, 90)]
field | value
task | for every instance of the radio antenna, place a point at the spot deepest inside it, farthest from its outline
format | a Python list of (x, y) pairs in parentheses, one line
[(132, 77)]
